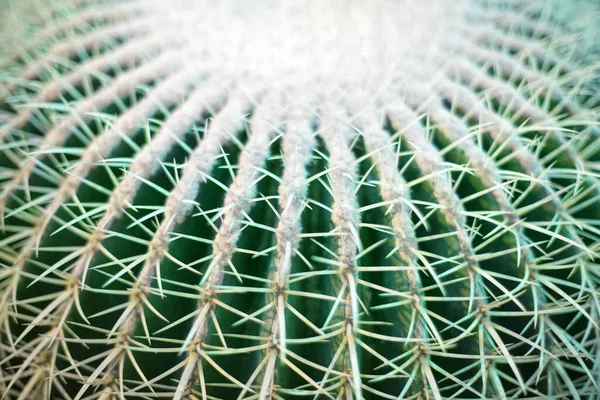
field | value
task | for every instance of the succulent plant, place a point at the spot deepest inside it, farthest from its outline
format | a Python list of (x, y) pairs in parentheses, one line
[(306, 199)]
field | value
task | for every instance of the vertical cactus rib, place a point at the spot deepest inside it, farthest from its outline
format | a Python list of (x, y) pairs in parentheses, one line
[(521, 107), (343, 178), (297, 146), (175, 207), (237, 205), (220, 131), (504, 132), (394, 191), (483, 166), (101, 146), (58, 311), (179, 203), (488, 172), (536, 278), (538, 119), (430, 163), (207, 96), (501, 130)]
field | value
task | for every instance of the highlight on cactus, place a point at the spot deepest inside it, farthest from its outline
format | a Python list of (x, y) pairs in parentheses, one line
[(299, 199)]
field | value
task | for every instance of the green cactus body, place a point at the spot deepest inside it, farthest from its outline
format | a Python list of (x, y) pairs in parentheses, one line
[(299, 199)]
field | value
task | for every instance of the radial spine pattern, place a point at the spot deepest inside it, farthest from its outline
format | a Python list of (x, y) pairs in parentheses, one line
[(280, 199)]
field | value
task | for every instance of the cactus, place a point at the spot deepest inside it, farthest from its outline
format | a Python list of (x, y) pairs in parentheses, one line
[(312, 199)]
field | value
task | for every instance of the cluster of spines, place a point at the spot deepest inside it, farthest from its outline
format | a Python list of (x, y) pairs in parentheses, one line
[(551, 340)]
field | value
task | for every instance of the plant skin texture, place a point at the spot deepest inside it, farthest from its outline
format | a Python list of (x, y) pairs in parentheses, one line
[(305, 199)]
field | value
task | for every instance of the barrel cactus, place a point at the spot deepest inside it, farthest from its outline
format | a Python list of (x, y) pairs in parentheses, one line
[(306, 199)]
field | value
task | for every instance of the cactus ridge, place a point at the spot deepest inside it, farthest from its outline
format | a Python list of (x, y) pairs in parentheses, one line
[(316, 200)]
